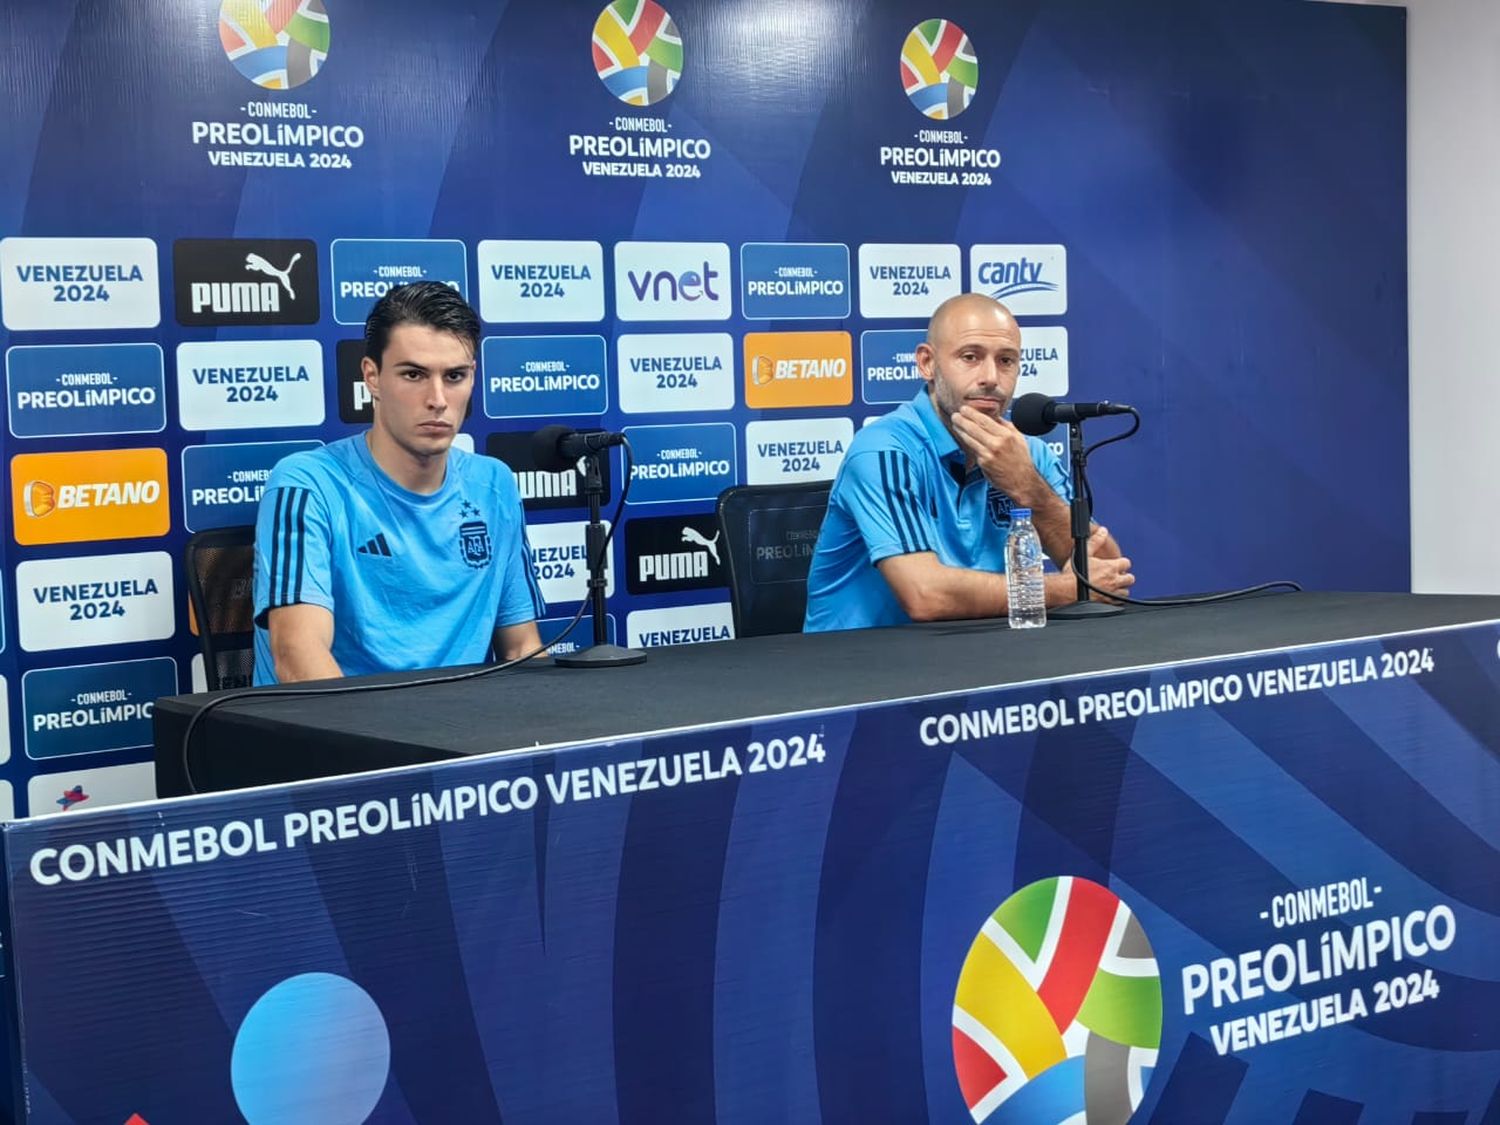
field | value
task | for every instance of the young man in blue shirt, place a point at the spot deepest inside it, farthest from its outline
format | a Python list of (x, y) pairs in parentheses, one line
[(919, 513), (390, 550)]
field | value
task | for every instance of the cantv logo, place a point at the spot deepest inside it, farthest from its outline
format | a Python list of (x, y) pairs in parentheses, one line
[(1029, 280), (1006, 279), (672, 281)]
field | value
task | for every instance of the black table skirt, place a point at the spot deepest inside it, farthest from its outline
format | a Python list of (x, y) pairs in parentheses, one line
[(262, 739)]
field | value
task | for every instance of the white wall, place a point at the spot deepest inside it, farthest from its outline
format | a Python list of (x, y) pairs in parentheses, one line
[(1453, 94), (1454, 160)]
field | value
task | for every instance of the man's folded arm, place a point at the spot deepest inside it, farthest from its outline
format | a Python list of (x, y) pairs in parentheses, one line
[(302, 643), (515, 641), (928, 590), (521, 602)]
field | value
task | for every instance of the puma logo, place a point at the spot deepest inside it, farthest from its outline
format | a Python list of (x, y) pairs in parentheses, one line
[(692, 535), (256, 264)]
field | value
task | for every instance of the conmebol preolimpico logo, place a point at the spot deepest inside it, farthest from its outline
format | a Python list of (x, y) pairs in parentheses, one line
[(939, 69), (637, 51), (1057, 1015), (278, 44)]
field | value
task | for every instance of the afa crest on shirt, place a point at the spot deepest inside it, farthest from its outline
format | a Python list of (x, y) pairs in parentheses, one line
[(998, 504), (474, 543)]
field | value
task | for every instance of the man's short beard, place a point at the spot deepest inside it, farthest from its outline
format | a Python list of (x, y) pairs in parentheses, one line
[(941, 391)]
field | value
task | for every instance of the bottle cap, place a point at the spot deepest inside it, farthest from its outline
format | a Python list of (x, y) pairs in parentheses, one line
[(1020, 513)]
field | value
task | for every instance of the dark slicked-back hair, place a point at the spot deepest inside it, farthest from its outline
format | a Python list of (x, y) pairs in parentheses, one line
[(430, 303)]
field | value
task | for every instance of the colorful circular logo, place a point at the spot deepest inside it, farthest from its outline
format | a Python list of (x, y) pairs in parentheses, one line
[(637, 51), (278, 44), (1058, 1011), (939, 69)]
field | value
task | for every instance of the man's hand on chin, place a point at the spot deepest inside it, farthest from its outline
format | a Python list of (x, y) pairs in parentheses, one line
[(1000, 451)]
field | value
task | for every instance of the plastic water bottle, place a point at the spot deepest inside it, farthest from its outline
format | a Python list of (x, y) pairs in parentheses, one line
[(1023, 573)]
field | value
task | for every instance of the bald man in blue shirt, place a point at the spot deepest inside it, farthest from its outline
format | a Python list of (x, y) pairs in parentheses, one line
[(920, 510)]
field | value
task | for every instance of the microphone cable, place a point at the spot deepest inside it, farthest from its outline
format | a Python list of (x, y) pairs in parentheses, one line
[(1202, 599), (1135, 416), (425, 681), (1159, 603), (1088, 451)]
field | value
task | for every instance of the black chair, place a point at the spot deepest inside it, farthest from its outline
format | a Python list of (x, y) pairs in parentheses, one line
[(769, 531), (220, 572)]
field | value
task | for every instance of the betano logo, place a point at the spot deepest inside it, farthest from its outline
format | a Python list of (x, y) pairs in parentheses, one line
[(81, 497), (790, 369), (939, 69), (1060, 993), (637, 51), (277, 44)]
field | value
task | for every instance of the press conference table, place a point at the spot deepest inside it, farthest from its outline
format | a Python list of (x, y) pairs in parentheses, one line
[(267, 738)]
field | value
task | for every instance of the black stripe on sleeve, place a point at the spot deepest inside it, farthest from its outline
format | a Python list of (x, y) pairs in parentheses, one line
[(284, 586), (903, 504), (301, 563), (288, 550), (538, 603), (909, 497), (273, 581), (892, 503)]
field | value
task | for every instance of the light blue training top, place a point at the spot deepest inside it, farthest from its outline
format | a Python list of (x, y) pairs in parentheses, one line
[(412, 581), (903, 489)]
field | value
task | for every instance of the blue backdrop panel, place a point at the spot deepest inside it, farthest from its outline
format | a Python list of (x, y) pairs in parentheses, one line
[(1194, 206), (1248, 890)]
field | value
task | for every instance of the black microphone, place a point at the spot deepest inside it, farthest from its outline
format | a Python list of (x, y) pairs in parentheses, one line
[(557, 448), (1036, 414)]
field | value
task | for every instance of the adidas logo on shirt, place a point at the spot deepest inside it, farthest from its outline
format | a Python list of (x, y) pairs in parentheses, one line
[(376, 546)]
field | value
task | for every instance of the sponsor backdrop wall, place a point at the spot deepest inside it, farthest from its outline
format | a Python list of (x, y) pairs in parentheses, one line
[(716, 226)]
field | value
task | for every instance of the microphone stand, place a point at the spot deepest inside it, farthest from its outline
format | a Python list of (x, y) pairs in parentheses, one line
[(1083, 607), (601, 654)]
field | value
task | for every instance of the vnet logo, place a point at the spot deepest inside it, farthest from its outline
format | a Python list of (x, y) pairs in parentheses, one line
[(672, 281)]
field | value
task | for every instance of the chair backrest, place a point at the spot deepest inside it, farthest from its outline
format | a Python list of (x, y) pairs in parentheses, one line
[(770, 531), (220, 573)]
